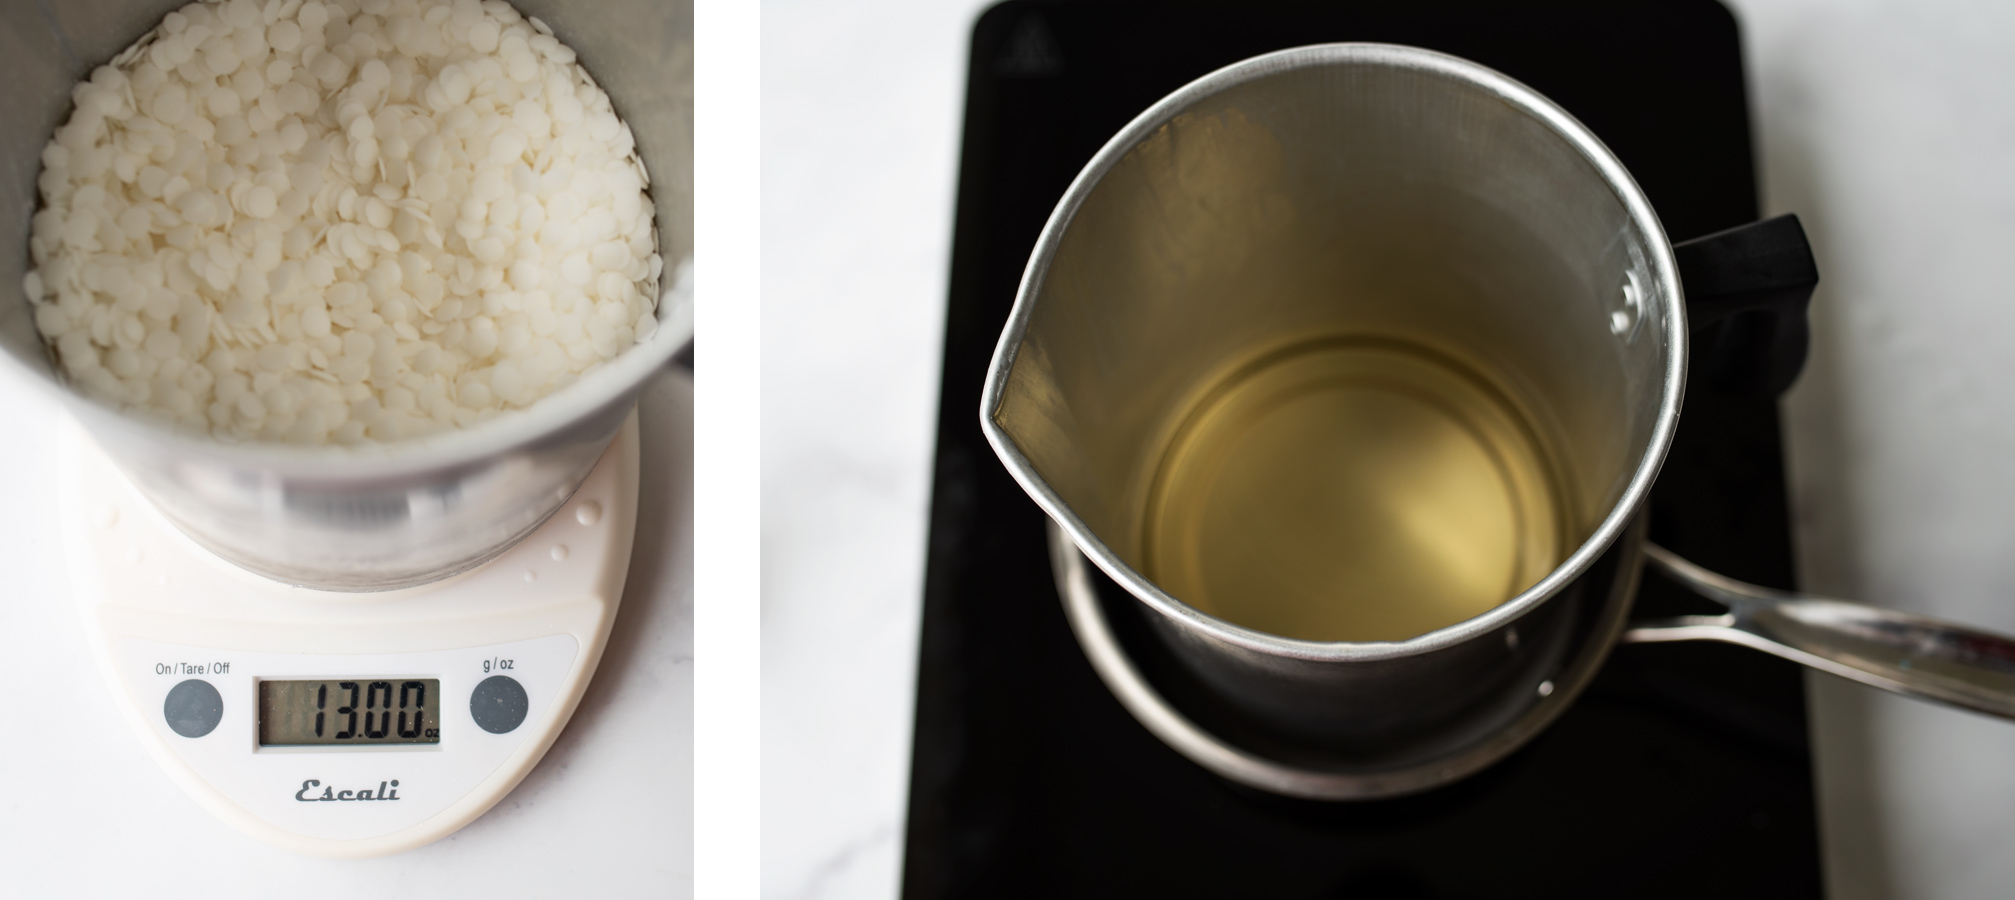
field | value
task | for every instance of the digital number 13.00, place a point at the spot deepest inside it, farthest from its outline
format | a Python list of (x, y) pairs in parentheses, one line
[(412, 695)]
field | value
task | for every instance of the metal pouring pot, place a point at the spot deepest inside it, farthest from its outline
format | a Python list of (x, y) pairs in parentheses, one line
[(376, 517), (1376, 193)]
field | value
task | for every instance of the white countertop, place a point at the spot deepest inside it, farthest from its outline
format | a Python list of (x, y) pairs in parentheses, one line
[(1887, 126), (87, 813)]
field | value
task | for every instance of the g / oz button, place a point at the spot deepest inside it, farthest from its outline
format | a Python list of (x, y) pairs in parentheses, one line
[(498, 704), (194, 708)]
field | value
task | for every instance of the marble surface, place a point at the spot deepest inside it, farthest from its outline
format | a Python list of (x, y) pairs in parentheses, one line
[(1886, 125), (861, 105), (87, 813)]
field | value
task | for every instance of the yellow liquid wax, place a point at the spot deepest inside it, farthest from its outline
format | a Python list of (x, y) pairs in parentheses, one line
[(1352, 490)]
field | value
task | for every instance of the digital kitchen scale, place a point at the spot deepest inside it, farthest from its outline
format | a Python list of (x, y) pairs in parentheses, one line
[(345, 724)]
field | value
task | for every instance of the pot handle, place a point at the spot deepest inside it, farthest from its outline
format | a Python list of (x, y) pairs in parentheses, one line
[(1908, 654), (1747, 290)]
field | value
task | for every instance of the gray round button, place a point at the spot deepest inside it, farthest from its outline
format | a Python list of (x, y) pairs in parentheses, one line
[(499, 704), (194, 708)]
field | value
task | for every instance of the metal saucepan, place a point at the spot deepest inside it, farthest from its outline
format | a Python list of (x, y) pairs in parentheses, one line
[(373, 518), (1377, 196)]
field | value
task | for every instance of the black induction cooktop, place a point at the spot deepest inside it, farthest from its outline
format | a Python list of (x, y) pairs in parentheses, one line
[(1684, 771)]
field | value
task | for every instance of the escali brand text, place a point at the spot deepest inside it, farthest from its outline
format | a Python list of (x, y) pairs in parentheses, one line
[(386, 791)]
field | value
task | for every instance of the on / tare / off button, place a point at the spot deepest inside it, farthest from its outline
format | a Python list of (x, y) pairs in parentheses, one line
[(193, 708), (498, 704)]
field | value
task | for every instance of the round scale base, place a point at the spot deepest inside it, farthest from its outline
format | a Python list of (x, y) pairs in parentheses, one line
[(344, 724)]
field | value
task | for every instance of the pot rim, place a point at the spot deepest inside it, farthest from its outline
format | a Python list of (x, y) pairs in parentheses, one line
[(1145, 701), (1513, 93)]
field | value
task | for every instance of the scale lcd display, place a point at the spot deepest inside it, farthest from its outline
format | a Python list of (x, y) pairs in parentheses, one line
[(363, 711)]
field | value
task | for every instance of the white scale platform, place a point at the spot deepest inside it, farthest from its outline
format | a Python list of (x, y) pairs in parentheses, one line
[(520, 634)]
